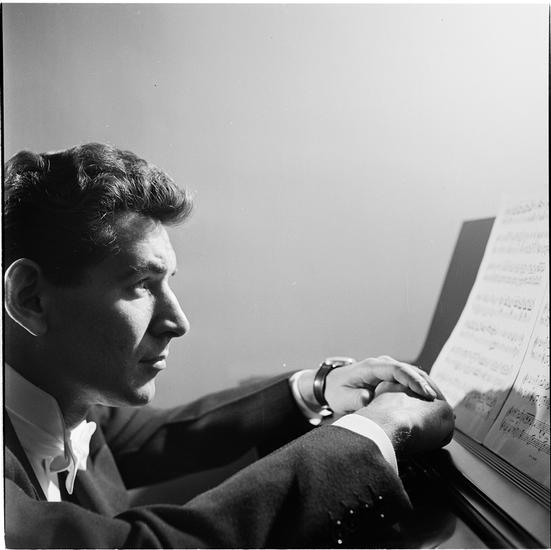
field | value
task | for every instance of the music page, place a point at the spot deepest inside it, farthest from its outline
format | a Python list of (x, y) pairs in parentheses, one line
[(478, 364), (520, 433)]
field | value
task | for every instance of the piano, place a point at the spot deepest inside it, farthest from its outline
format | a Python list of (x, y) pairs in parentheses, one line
[(464, 495)]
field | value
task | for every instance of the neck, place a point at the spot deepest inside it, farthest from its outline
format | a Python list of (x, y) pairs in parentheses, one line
[(73, 412)]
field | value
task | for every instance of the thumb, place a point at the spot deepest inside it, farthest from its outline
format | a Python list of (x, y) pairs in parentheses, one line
[(366, 396)]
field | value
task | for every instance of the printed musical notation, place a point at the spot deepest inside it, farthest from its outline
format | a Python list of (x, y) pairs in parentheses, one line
[(544, 317), (539, 350), (528, 210), (480, 403), (522, 243), (505, 306), (514, 273), (535, 382), (522, 425), (490, 335), (521, 433), (501, 341)]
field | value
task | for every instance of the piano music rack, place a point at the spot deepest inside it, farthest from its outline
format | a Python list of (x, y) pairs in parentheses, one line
[(502, 505)]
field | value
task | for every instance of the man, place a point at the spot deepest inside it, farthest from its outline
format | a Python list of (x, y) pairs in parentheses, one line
[(90, 314)]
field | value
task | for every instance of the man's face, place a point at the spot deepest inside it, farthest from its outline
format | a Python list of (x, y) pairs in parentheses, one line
[(110, 334)]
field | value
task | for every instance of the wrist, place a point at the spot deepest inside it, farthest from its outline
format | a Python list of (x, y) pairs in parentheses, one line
[(306, 389), (311, 383), (326, 368), (397, 426)]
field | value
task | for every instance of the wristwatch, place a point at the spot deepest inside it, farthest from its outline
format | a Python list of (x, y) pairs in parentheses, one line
[(321, 377)]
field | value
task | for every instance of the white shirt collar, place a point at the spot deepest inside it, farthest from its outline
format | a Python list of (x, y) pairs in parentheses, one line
[(40, 427)]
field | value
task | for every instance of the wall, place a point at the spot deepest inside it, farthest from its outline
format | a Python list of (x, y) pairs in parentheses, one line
[(333, 152)]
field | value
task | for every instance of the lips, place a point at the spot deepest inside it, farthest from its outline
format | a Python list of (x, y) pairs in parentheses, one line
[(153, 359), (157, 361)]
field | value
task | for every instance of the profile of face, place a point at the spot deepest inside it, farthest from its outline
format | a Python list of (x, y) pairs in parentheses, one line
[(110, 334)]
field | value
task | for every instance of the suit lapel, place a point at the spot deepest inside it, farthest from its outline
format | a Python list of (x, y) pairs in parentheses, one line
[(11, 441)]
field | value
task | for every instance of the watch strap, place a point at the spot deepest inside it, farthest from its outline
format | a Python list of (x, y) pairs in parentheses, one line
[(320, 380)]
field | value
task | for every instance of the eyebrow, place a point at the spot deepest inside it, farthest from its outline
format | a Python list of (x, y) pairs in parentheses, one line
[(141, 268)]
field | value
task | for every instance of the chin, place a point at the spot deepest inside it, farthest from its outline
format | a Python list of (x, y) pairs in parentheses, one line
[(129, 395), (141, 396), (145, 396)]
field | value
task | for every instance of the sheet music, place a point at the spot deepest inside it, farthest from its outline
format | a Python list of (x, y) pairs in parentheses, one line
[(520, 433), (478, 364)]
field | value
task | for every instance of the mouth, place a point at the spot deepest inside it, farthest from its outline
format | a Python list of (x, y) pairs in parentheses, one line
[(157, 362)]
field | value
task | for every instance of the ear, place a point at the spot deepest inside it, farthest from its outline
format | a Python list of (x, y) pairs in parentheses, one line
[(23, 285)]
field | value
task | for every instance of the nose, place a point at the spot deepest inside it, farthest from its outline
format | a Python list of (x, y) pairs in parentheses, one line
[(170, 319)]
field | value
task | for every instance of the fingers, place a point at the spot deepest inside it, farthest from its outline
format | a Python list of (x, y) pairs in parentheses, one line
[(431, 382), (387, 369), (388, 387)]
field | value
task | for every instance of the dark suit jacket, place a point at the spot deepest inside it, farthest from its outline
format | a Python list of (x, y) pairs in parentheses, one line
[(323, 488)]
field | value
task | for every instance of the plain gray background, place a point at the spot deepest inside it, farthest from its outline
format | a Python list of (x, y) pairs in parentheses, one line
[(333, 152)]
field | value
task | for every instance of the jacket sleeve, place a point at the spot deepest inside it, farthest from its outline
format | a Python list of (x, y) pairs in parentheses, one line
[(329, 488), (151, 445)]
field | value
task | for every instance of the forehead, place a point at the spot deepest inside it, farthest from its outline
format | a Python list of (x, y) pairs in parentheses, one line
[(144, 245)]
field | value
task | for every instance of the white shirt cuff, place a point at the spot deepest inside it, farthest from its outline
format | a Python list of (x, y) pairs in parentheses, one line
[(366, 427)]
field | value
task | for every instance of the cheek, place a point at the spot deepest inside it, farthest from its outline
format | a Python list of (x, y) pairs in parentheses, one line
[(123, 328), (105, 329)]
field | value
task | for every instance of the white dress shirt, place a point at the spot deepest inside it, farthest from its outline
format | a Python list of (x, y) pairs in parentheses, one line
[(353, 422), (50, 447)]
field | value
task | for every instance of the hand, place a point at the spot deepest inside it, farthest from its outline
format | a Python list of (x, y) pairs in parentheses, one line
[(352, 387), (413, 425)]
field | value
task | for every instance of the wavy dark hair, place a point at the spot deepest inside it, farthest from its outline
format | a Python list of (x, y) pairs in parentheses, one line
[(60, 208)]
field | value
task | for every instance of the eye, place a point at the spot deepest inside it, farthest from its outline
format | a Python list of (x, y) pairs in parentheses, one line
[(141, 286)]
